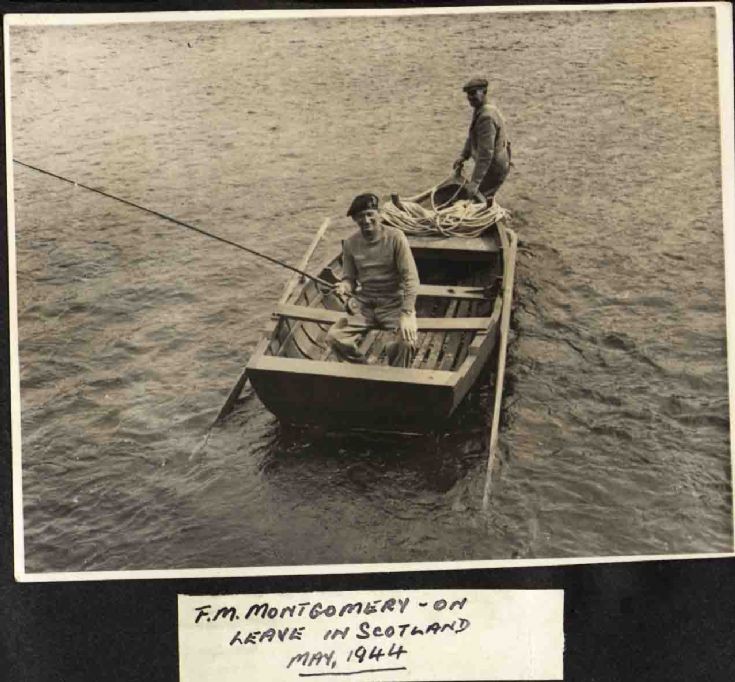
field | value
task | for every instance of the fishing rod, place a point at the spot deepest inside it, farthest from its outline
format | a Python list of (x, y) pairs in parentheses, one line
[(181, 223)]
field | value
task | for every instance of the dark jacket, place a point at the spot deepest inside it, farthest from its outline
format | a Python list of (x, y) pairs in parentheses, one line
[(487, 142)]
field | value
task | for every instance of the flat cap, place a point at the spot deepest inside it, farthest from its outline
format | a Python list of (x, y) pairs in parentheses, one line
[(474, 84), (363, 202)]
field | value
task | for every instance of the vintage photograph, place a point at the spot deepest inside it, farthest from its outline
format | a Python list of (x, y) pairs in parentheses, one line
[(361, 290)]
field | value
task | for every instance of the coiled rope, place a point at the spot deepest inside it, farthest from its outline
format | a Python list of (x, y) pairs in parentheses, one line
[(451, 218)]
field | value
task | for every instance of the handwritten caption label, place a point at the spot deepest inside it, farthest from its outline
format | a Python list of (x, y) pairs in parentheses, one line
[(381, 636)]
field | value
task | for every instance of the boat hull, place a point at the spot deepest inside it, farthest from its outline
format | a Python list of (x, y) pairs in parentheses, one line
[(294, 377), (350, 396)]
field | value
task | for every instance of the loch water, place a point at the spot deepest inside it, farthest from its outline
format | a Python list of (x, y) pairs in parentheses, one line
[(615, 430)]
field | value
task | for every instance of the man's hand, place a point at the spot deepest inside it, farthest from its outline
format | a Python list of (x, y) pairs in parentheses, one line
[(343, 289), (473, 191), (472, 188), (409, 331), (457, 165)]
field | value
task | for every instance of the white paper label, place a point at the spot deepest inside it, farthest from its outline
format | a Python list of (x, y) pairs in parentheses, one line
[(381, 636)]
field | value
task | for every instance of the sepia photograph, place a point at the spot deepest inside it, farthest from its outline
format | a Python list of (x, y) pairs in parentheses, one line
[(366, 290)]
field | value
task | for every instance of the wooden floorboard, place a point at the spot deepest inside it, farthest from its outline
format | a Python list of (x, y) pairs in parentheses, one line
[(423, 347), (433, 339), (465, 339), (453, 342), (440, 338)]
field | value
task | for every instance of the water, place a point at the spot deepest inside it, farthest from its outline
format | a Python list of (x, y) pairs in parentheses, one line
[(132, 330)]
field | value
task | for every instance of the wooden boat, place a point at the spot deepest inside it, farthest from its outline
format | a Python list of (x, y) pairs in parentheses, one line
[(465, 284)]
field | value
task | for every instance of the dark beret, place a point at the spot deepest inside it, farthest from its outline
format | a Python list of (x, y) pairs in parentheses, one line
[(363, 202), (474, 84)]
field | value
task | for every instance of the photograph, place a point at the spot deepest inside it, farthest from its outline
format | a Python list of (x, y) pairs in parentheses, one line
[(347, 291)]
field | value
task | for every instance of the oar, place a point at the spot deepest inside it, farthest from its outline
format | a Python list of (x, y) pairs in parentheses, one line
[(288, 290), (509, 258), (299, 273)]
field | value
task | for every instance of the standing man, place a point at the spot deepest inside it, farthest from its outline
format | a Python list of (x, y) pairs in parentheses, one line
[(379, 258), (487, 143)]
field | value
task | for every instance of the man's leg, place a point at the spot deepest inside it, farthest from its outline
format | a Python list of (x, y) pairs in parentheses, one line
[(400, 353), (344, 336), (494, 178)]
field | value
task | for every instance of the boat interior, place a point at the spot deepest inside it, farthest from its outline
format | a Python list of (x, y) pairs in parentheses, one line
[(459, 286)]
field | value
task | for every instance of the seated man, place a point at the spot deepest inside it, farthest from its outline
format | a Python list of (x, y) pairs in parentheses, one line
[(379, 258)]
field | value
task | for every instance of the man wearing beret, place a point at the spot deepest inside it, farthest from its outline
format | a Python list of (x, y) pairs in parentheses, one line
[(487, 143), (379, 258)]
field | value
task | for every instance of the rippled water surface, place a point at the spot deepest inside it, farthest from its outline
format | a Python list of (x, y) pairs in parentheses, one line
[(132, 330)]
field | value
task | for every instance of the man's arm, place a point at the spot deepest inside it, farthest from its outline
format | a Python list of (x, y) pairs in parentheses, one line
[(464, 155), (348, 282), (408, 273), (486, 132), (409, 277), (467, 149)]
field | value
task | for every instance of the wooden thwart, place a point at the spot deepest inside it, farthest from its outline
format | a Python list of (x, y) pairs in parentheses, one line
[(352, 371), (471, 293), (471, 244), (299, 312)]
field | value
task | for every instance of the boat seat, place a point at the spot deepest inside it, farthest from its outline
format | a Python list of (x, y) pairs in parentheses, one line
[(466, 245), (439, 291), (321, 315)]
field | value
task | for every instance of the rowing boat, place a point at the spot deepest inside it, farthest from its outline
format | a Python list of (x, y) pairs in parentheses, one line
[(463, 310), (465, 283)]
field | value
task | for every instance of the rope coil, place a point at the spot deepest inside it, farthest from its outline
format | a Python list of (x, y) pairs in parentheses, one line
[(450, 218)]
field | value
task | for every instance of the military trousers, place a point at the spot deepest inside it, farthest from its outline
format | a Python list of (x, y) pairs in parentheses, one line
[(345, 335)]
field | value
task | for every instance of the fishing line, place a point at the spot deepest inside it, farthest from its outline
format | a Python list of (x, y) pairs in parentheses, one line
[(175, 221)]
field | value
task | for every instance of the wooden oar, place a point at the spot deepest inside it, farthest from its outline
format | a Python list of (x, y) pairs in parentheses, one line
[(287, 291), (291, 284), (509, 264)]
